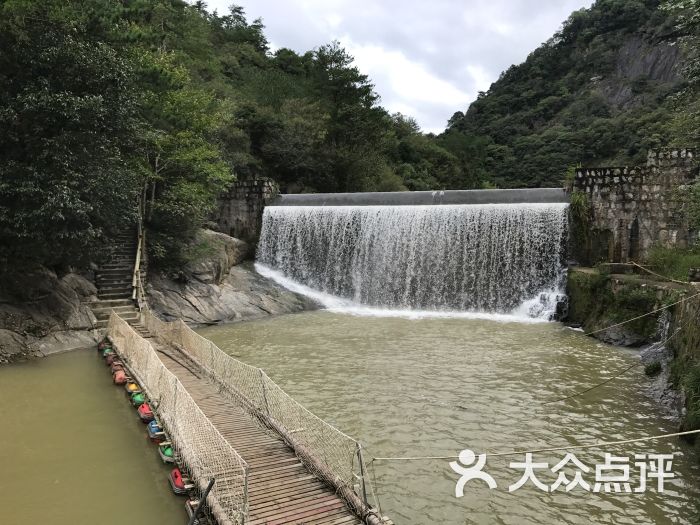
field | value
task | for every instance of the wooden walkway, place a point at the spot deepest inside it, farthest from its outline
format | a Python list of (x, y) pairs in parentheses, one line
[(280, 488)]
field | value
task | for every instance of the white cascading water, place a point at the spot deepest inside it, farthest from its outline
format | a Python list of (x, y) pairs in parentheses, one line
[(494, 259)]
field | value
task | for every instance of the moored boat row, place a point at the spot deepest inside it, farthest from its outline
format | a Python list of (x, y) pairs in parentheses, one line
[(179, 483)]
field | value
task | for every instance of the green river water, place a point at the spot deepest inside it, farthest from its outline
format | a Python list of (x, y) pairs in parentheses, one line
[(73, 451), (431, 387)]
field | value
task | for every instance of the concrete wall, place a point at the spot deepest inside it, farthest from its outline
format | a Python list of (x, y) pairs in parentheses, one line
[(241, 208), (433, 198), (634, 208)]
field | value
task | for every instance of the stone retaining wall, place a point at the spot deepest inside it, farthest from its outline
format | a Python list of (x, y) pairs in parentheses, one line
[(634, 208), (241, 208)]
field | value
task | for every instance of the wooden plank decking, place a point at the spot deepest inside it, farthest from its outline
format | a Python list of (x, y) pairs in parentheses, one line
[(280, 488)]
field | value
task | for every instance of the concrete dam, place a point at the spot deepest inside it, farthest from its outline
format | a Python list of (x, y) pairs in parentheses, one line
[(424, 198), (486, 251)]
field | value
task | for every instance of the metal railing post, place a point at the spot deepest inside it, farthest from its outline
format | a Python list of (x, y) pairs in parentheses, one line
[(361, 460), (264, 389), (244, 510), (202, 501)]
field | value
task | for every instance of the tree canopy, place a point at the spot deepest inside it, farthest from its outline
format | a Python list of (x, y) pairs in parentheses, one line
[(103, 101)]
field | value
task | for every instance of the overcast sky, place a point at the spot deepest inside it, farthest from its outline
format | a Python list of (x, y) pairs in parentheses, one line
[(427, 59)]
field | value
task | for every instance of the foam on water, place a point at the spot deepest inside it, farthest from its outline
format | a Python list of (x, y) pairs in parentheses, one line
[(336, 304), (495, 261)]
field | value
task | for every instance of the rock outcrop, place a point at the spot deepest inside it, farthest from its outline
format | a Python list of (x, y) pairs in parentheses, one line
[(42, 312), (220, 288)]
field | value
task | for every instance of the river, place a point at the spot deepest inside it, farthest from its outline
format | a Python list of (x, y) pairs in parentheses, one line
[(432, 387), (73, 451)]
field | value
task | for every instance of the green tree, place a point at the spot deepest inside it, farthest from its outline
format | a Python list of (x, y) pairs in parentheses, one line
[(687, 102), (68, 121), (182, 164)]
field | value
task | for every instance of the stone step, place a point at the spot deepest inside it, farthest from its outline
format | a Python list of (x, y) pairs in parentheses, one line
[(112, 283), (124, 276), (102, 323), (124, 284), (115, 271), (114, 295), (123, 290), (111, 277), (118, 309), (120, 284), (116, 264), (131, 314), (110, 303)]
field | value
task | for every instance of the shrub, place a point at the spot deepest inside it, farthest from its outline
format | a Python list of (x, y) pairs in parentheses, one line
[(674, 262), (652, 369)]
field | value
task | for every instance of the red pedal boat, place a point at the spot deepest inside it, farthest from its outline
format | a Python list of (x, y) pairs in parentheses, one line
[(145, 412), (119, 377), (179, 484)]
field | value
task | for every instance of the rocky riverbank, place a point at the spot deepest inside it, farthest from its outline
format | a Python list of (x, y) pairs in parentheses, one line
[(220, 287), (598, 300), (44, 312)]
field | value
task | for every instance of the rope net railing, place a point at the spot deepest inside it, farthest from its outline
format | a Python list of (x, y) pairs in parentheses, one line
[(326, 451), (198, 446)]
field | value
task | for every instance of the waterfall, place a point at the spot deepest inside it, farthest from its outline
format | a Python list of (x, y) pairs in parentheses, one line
[(492, 258)]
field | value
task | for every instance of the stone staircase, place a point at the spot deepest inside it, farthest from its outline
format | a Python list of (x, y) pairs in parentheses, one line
[(113, 281)]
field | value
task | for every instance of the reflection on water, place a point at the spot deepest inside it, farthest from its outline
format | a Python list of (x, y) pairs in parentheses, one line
[(432, 387), (72, 450)]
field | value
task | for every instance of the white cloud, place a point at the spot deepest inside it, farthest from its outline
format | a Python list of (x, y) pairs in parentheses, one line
[(410, 84), (431, 58)]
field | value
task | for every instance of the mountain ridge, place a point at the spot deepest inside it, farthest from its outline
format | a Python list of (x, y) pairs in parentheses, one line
[(599, 91)]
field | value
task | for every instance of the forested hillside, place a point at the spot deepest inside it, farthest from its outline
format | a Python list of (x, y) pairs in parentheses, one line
[(99, 99), (102, 100), (610, 84)]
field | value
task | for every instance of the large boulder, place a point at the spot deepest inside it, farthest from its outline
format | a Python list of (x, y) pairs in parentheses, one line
[(218, 254), (12, 346), (40, 310), (219, 288)]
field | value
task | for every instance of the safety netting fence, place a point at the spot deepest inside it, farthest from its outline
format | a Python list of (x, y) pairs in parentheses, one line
[(329, 453), (197, 444)]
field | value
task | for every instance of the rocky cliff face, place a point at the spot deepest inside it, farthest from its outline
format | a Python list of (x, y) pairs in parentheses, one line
[(42, 312), (642, 70), (219, 287)]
